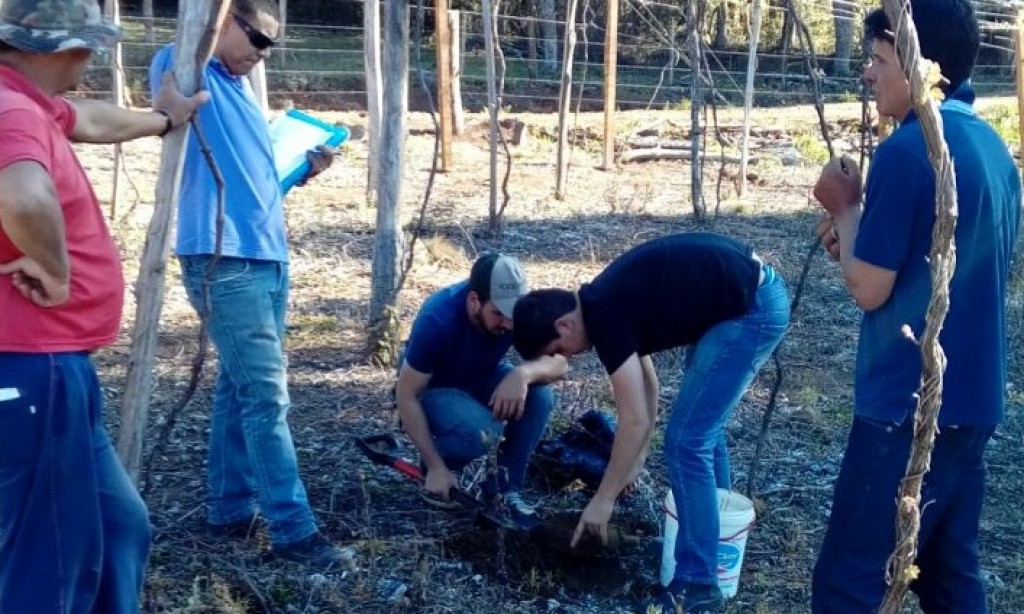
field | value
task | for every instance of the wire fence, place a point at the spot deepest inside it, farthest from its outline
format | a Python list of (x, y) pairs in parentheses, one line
[(322, 66)]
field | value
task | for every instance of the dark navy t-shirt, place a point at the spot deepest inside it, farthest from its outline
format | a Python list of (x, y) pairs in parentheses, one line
[(895, 234), (445, 344), (667, 293)]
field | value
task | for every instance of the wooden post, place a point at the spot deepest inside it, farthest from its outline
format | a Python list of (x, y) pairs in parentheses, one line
[(492, 103), (455, 57), (374, 93), (611, 45), (748, 95), (282, 31), (113, 13), (694, 15), (444, 81), (148, 21), (564, 100), (258, 81), (199, 22), (1018, 50), (387, 245)]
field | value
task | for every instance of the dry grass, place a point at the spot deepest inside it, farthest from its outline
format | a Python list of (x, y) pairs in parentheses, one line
[(408, 558)]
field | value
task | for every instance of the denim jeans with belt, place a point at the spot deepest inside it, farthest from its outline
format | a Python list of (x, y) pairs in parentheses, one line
[(464, 428), (252, 460), (718, 370), (849, 577), (74, 533)]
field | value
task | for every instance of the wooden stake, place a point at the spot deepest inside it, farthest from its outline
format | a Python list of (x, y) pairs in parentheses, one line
[(199, 23), (565, 99), (455, 57), (748, 95), (374, 93), (113, 13), (258, 81), (444, 81), (1018, 51), (611, 47), (492, 103), (387, 245)]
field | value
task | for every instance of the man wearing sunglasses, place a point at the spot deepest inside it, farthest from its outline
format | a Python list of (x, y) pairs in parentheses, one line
[(252, 469)]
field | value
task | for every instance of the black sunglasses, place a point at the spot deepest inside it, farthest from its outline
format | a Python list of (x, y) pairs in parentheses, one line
[(257, 39)]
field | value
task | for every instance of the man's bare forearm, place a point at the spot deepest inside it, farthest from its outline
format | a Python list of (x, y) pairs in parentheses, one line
[(545, 369), (414, 421), (103, 122), (31, 217)]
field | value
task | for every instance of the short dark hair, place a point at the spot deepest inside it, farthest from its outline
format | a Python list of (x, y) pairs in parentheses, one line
[(534, 319), (249, 8), (480, 275), (947, 31)]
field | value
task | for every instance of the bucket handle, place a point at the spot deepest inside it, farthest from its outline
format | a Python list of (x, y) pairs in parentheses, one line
[(733, 537)]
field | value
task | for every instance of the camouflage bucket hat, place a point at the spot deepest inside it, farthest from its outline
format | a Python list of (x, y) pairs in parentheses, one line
[(51, 26)]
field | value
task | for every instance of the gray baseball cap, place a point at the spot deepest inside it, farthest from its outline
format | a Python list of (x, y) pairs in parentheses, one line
[(501, 278), (51, 26)]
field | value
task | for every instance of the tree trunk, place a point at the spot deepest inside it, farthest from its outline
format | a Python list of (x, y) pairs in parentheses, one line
[(147, 16), (199, 23), (112, 12), (694, 15), (494, 223), (842, 14), (457, 42), (387, 249), (721, 21), (564, 100), (374, 87), (283, 21), (550, 30)]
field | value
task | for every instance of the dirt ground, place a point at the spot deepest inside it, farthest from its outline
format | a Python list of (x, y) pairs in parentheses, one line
[(406, 557)]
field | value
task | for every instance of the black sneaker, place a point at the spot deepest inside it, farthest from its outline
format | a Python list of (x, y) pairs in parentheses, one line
[(681, 598), (703, 599), (242, 529), (315, 551)]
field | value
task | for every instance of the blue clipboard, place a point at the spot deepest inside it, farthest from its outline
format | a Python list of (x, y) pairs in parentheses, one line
[(292, 135)]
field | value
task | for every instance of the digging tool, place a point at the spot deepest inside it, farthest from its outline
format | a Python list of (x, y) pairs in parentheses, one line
[(381, 448)]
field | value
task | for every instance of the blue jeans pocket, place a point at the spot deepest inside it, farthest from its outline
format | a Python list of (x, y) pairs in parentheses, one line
[(21, 426)]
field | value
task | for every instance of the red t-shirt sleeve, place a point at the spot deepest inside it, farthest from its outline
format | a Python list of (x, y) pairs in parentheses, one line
[(23, 138), (66, 116)]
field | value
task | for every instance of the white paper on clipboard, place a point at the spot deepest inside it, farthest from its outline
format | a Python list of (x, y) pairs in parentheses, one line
[(292, 135)]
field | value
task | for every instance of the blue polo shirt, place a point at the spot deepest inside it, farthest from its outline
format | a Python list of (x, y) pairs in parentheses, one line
[(895, 234), (237, 135), (445, 344)]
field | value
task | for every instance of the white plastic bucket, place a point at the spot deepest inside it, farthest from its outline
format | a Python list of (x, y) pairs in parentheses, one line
[(735, 517)]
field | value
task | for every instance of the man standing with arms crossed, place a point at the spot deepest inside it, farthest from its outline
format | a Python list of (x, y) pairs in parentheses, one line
[(74, 534)]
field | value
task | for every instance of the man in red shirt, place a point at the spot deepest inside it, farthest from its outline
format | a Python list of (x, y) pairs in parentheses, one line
[(74, 533)]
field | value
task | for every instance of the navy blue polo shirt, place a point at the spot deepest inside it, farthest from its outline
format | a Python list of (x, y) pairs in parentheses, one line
[(445, 344), (895, 234)]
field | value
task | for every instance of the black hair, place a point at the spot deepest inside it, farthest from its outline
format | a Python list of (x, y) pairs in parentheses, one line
[(534, 317), (7, 47), (947, 31), (250, 8), (480, 275)]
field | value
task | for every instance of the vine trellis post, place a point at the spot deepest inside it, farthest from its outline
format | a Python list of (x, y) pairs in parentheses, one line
[(199, 22), (901, 569)]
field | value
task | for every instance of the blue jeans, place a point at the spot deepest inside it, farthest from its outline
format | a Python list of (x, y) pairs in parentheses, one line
[(252, 460), (719, 368), (74, 533), (849, 576), (464, 428)]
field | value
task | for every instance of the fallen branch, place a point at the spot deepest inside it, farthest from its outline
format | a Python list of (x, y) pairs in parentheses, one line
[(662, 153)]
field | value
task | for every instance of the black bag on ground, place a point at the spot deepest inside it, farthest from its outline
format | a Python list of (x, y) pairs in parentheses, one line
[(580, 453)]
